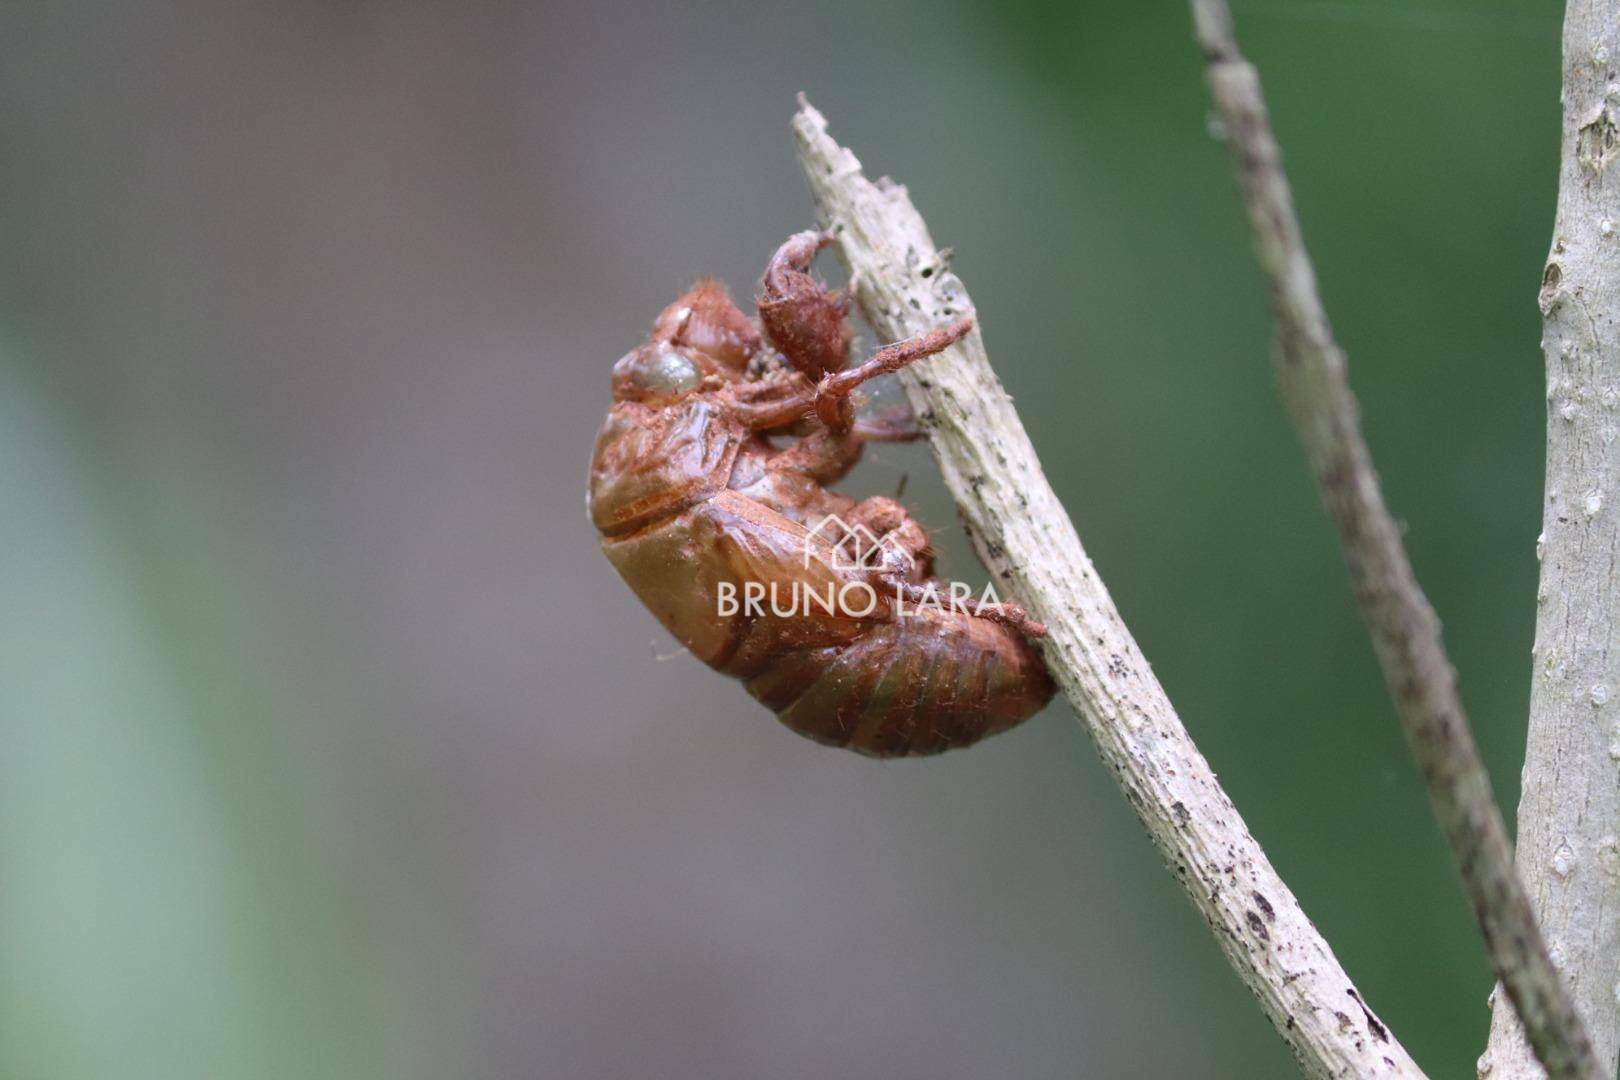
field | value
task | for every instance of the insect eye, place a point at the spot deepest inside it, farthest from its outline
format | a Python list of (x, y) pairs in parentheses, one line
[(656, 371)]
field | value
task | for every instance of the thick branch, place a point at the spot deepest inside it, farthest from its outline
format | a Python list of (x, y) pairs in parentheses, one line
[(1569, 810), (903, 286), (1405, 633)]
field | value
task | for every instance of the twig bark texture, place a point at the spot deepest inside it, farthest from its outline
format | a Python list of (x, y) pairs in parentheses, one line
[(1569, 810), (1405, 632), (903, 285)]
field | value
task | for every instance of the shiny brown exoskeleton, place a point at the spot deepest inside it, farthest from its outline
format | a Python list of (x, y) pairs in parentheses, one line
[(709, 485)]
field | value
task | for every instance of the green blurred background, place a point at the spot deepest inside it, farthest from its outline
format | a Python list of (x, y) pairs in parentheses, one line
[(330, 746)]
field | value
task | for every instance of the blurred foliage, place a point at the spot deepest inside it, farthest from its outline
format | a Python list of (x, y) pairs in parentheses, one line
[(171, 906)]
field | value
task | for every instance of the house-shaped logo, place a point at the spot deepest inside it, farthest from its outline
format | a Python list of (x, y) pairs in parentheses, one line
[(842, 546)]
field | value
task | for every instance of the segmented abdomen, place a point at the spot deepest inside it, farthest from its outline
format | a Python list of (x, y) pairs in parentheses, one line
[(918, 684), (878, 683)]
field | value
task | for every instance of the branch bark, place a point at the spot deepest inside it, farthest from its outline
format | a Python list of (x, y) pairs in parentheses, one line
[(903, 286), (1405, 632), (1569, 809)]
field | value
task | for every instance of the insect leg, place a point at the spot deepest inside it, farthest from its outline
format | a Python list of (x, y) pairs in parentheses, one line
[(802, 317), (832, 392), (1008, 614), (822, 455), (767, 413), (891, 425), (886, 519)]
